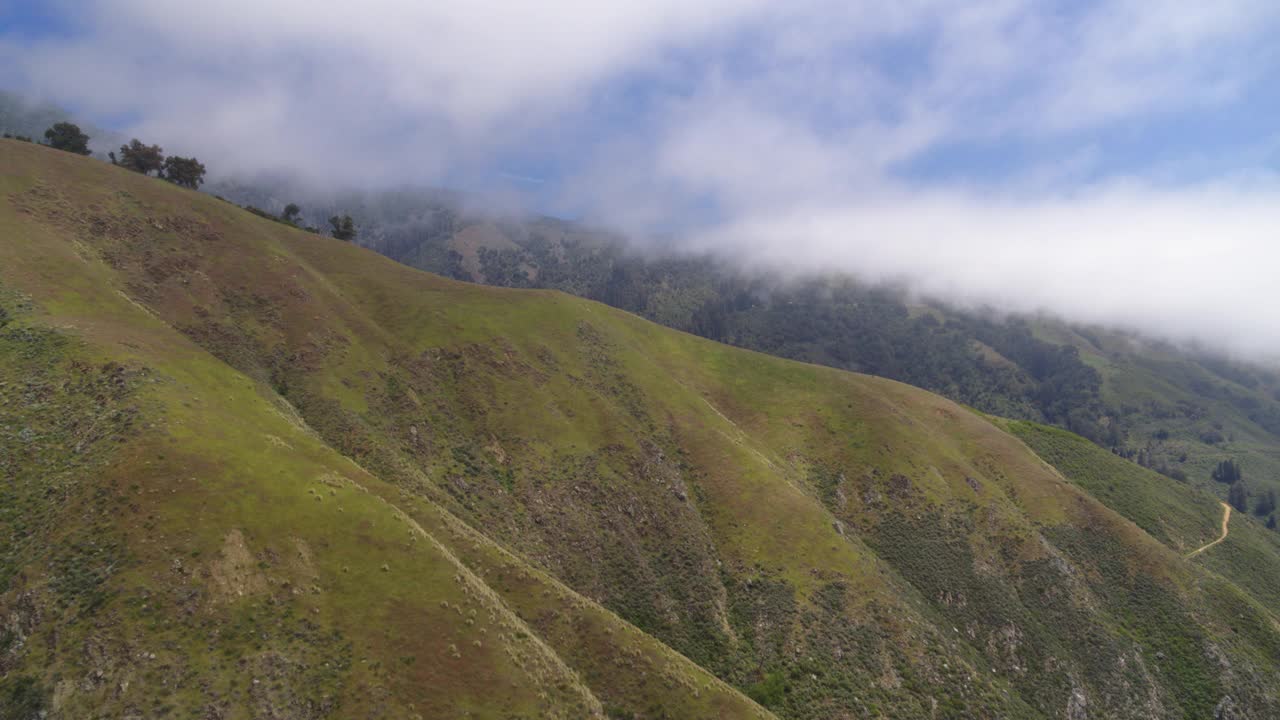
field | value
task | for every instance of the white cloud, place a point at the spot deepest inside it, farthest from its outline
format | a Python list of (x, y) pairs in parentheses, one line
[(782, 130), (1188, 263), (388, 83)]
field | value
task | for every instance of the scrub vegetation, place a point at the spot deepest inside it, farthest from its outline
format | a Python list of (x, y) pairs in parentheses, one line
[(250, 471)]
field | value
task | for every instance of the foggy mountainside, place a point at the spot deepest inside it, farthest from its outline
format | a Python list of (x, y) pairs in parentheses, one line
[(1171, 408), (729, 360), (250, 471)]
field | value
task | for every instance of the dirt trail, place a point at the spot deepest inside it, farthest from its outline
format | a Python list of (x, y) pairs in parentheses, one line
[(1226, 517)]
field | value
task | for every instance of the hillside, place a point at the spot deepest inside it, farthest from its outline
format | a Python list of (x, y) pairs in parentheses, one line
[(1177, 410), (1184, 409), (253, 472)]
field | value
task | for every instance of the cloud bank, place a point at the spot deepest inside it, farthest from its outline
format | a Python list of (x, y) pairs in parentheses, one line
[(1113, 161)]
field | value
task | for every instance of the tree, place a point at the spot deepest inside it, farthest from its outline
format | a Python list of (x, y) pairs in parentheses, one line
[(290, 213), (145, 159), (1266, 504), (187, 172), (67, 136), (1227, 472), (1238, 496), (1271, 523), (344, 228)]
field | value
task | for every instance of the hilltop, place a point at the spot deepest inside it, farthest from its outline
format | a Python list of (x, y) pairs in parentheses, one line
[(253, 472)]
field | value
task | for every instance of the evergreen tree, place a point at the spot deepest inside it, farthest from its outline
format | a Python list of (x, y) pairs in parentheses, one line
[(1227, 472), (1266, 504), (1238, 496), (67, 136), (290, 213)]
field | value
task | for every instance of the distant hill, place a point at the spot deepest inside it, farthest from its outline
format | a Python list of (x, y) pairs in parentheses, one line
[(251, 472)]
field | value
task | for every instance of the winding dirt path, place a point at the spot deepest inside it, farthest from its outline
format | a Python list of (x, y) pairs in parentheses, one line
[(1226, 517)]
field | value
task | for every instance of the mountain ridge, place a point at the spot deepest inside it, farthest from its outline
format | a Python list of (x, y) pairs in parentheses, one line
[(673, 524)]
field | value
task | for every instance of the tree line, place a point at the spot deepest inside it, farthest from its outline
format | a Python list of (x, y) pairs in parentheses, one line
[(187, 172), (148, 159), (137, 156)]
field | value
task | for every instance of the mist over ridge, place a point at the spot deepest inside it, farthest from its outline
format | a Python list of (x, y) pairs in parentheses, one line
[(737, 360), (1109, 162)]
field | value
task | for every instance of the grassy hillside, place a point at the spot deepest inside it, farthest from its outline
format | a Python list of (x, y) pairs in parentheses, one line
[(255, 472), (1185, 410), (1181, 516), (185, 545), (1176, 410)]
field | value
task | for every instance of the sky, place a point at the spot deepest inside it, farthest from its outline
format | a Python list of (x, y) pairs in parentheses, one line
[(1111, 161)]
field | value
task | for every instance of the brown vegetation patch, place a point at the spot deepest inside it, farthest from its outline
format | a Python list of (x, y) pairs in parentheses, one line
[(235, 573)]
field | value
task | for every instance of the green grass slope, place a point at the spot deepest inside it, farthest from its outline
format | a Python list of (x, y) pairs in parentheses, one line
[(183, 545), (1185, 410), (258, 472), (1176, 409), (1177, 514), (1182, 516)]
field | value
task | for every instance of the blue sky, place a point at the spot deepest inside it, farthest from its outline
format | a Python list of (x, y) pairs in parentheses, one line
[(32, 19), (1173, 134), (1046, 138)]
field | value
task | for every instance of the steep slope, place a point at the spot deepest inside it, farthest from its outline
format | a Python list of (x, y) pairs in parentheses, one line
[(181, 541), (1177, 410), (378, 492), (1184, 517), (1185, 410)]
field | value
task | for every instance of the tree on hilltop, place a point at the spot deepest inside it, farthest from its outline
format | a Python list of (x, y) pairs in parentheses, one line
[(144, 159), (344, 228), (187, 172), (290, 214), (68, 137)]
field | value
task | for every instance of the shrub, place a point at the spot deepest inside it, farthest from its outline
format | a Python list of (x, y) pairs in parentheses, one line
[(769, 692)]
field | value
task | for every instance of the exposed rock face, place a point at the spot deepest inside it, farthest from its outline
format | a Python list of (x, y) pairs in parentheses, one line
[(1077, 705), (16, 626), (1226, 710)]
